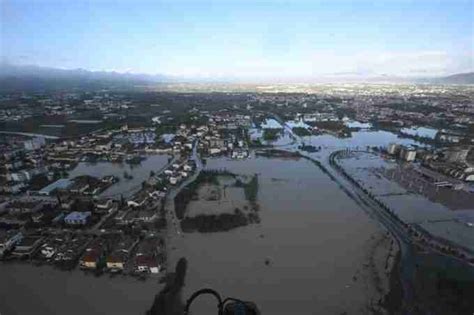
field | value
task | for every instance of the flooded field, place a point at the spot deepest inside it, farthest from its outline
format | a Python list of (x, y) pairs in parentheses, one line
[(218, 198), (358, 139), (411, 199), (127, 187), (311, 253)]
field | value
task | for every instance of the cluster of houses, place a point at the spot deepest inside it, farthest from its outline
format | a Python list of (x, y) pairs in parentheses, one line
[(19, 212), (20, 161), (124, 253), (112, 252), (60, 249), (405, 153), (456, 162), (28, 164), (226, 134), (178, 172)]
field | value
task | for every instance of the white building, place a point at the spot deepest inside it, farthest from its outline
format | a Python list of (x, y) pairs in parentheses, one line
[(393, 148)]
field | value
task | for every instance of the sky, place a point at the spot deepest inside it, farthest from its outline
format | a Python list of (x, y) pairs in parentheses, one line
[(242, 39)]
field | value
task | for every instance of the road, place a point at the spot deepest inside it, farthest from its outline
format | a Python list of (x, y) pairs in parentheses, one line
[(296, 139), (29, 134), (173, 222), (406, 242)]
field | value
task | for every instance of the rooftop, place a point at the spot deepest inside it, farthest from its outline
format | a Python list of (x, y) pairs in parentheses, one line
[(76, 216)]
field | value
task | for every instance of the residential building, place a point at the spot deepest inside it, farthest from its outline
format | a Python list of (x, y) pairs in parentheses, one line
[(77, 218)]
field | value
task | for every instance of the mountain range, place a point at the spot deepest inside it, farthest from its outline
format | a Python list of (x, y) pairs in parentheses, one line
[(27, 78), (459, 78)]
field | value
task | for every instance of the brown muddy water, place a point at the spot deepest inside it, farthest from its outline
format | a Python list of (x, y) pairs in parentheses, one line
[(324, 255), (27, 289), (316, 239)]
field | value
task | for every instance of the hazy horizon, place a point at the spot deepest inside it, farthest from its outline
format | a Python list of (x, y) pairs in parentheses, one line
[(242, 40)]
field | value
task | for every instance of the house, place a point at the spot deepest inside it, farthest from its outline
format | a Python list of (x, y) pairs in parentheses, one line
[(92, 255), (146, 263), (66, 201), (217, 143), (47, 251), (240, 154), (8, 240), (174, 179), (138, 200), (393, 148), (147, 255), (157, 194), (52, 246), (27, 246), (25, 206), (79, 186), (37, 217), (117, 259), (77, 218), (103, 145), (214, 151), (104, 204), (143, 215), (90, 259), (12, 188), (34, 144), (457, 154), (407, 154)]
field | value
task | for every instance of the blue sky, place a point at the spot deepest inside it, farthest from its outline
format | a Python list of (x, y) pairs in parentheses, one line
[(246, 39)]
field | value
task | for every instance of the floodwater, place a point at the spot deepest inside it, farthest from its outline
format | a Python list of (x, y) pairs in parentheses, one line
[(314, 237), (28, 290), (412, 206), (420, 132), (358, 139), (316, 240), (125, 187)]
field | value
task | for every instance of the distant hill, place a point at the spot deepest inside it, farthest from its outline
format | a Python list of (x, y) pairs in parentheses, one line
[(460, 78), (34, 78)]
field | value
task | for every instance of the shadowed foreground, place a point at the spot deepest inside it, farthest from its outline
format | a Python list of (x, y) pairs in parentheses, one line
[(169, 300)]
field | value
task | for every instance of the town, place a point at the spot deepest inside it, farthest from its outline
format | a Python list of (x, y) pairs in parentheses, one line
[(108, 181)]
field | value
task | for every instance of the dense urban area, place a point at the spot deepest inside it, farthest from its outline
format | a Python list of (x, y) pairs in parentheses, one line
[(115, 180)]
